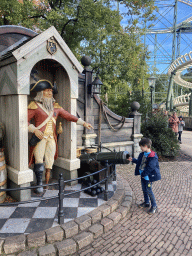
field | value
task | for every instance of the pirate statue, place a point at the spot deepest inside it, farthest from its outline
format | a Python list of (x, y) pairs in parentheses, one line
[(43, 144)]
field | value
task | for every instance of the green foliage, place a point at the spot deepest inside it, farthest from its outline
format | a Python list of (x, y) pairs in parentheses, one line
[(93, 28), (76, 20), (164, 141), (119, 59), (121, 104)]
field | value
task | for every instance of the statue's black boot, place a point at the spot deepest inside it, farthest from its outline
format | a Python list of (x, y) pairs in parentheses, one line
[(38, 169)]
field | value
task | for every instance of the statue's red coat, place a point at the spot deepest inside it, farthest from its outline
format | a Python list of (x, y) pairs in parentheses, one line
[(40, 116)]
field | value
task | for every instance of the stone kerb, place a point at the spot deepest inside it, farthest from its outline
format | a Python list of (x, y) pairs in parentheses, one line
[(72, 236)]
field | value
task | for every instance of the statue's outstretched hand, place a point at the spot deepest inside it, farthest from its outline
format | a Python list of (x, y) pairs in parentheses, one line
[(39, 134), (88, 126)]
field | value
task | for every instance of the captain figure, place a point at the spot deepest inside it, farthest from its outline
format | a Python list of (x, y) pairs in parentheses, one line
[(45, 111)]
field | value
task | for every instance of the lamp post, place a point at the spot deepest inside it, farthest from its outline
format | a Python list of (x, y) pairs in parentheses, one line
[(95, 87), (151, 81), (90, 88)]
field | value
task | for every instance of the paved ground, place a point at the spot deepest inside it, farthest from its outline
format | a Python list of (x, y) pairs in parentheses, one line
[(186, 145), (168, 232), (33, 217)]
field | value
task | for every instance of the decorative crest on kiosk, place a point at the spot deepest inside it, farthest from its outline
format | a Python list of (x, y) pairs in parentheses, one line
[(51, 46)]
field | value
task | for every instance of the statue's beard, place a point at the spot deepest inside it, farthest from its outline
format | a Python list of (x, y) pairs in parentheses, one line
[(48, 103)]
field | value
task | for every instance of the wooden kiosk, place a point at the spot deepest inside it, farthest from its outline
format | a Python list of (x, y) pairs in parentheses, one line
[(49, 55), (26, 56)]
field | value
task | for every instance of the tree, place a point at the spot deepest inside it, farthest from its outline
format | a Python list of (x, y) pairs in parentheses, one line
[(121, 104), (93, 27), (76, 20), (164, 141)]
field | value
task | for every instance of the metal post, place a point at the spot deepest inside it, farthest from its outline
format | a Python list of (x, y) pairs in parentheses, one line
[(155, 55), (106, 194), (144, 52), (114, 173), (176, 87), (118, 6), (178, 43), (61, 197), (190, 104), (154, 94), (171, 103), (171, 82), (169, 94), (174, 30), (151, 100)]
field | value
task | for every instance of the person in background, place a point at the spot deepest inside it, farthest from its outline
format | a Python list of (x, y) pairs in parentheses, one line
[(180, 127), (174, 122)]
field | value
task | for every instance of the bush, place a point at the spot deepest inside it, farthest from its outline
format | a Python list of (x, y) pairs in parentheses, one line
[(164, 141)]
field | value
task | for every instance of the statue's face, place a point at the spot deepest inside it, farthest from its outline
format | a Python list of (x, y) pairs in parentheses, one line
[(48, 93)]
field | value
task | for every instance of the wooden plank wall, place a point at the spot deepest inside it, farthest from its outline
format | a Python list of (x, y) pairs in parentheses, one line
[(80, 112), (188, 123), (107, 134), (13, 114)]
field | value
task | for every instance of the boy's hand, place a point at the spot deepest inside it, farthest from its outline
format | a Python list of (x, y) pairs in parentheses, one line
[(130, 159)]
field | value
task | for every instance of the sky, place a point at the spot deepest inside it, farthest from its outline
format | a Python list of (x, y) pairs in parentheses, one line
[(165, 17)]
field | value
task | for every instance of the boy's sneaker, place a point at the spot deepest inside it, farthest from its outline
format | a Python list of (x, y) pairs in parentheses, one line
[(143, 205), (152, 210)]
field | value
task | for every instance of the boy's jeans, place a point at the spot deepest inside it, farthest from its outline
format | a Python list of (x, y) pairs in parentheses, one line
[(147, 192)]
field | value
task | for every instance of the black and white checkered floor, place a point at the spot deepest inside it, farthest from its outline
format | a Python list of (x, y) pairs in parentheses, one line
[(33, 217)]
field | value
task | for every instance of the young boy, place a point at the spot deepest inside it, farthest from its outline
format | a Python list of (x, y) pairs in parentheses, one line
[(147, 166)]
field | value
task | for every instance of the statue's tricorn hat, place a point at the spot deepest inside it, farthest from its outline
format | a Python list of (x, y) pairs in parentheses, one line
[(42, 85)]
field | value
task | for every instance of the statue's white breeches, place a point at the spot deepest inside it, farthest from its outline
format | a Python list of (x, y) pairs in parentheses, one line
[(45, 150)]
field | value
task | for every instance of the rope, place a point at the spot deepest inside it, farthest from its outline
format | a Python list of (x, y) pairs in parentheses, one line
[(122, 122)]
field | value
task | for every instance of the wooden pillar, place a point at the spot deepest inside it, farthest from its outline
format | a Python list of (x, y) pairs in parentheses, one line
[(88, 135), (67, 162), (14, 116), (136, 134)]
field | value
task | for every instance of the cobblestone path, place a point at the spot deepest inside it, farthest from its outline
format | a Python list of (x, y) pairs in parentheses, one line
[(168, 232), (186, 145)]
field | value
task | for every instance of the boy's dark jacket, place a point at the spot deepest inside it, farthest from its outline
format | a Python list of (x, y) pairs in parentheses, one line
[(152, 166)]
